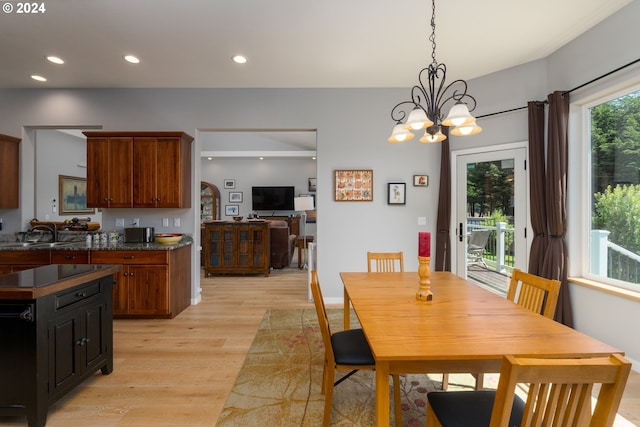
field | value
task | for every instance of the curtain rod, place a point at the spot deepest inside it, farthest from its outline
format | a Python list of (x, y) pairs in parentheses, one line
[(569, 91)]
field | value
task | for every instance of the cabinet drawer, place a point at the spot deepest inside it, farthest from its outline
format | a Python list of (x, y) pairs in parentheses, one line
[(129, 257), (65, 299), (24, 257), (70, 257)]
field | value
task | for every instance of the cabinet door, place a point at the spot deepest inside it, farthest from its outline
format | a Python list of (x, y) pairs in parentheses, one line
[(109, 172), (148, 289), (145, 159), (93, 346), (121, 293), (169, 173), (9, 172), (65, 339)]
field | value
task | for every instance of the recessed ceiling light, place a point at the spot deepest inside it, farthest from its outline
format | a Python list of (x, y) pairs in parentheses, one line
[(261, 158), (38, 78), (239, 59), (55, 59), (132, 59), (209, 158)]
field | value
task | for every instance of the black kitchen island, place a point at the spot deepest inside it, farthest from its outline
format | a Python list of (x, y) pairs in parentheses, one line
[(56, 330)]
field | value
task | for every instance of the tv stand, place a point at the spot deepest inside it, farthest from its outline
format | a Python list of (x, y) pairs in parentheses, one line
[(293, 221)]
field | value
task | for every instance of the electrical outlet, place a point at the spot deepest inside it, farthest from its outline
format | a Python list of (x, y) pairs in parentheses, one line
[(165, 222), (422, 220), (119, 222), (136, 222), (176, 222)]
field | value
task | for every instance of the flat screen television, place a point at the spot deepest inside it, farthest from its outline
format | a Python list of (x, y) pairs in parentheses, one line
[(272, 198)]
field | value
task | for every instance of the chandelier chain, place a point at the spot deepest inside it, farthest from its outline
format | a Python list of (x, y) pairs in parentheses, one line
[(432, 38)]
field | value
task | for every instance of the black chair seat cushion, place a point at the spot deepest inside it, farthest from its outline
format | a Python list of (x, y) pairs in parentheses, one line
[(470, 408), (351, 348)]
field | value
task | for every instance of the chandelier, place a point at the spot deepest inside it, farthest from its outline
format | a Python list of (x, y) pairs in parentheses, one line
[(429, 98)]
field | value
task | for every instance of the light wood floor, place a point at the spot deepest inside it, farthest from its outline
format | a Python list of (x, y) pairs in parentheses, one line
[(178, 372)]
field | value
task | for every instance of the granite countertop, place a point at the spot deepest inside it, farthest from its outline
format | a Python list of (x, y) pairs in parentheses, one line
[(45, 280), (82, 246)]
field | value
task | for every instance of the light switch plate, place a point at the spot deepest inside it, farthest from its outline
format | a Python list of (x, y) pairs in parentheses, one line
[(422, 220), (119, 222), (165, 222), (176, 222)]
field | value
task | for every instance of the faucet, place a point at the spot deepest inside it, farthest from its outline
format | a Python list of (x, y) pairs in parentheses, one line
[(48, 226)]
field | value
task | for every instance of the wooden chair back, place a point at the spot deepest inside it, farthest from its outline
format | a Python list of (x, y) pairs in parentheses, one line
[(535, 293), (385, 262), (323, 319), (559, 390)]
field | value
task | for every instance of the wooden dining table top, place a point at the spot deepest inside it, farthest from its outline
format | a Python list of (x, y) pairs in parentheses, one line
[(463, 321)]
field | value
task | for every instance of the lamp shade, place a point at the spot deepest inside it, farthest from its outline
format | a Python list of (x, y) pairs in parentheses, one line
[(458, 115), (417, 120), (432, 136), (304, 203), (466, 130), (400, 134)]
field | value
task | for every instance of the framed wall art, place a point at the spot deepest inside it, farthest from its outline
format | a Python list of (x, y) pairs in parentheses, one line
[(229, 183), (312, 184), (235, 196), (396, 193), (353, 185), (231, 210), (420, 180), (73, 195)]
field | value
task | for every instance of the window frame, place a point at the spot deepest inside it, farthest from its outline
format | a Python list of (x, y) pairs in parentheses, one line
[(585, 196)]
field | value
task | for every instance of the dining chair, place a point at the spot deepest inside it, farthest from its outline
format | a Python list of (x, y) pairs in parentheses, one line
[(385, 262), (556, 392), (535, 293), (344, 351)]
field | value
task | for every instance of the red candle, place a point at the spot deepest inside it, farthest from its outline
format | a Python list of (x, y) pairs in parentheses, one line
[(424, 244)]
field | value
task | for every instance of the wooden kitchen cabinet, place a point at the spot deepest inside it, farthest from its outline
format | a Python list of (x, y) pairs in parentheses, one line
[(152, 284), (70, 257), (236, 248), (12, 261), (109, 171), (9, 172), (152, 169)]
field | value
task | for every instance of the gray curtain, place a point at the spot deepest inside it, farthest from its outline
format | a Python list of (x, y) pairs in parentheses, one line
[(554, 265), (537, 196), (443, 239)]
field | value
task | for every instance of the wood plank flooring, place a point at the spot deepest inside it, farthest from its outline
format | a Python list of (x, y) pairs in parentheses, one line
[(178, 372)]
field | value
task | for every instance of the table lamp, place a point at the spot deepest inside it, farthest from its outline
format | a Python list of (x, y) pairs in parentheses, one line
[(303, 204)]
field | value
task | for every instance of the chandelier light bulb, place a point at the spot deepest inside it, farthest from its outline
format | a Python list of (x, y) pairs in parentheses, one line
[(458, 115), (418, 120)]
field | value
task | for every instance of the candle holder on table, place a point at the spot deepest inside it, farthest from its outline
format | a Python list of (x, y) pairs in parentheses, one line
[(424, 272)]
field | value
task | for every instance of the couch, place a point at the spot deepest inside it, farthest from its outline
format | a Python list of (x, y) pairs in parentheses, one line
[(282, 244)]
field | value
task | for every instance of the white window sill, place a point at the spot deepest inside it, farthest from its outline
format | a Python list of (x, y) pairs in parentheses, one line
[(624, 293)]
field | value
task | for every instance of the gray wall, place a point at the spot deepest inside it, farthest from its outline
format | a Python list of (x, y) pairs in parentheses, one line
[(352, 126)]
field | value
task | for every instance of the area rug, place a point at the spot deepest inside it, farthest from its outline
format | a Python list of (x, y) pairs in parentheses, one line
[(279, 383)]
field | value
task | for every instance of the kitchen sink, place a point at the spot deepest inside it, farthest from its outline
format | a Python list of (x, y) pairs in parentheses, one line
[(34, 244)]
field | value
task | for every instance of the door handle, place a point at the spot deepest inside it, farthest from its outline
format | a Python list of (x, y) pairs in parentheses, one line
[(460, 233)]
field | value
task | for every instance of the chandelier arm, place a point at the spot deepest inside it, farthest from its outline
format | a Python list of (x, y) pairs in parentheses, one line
[(458, 95), (399, 112)]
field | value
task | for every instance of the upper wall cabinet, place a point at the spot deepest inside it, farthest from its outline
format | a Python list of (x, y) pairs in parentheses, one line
[(139, 169), (9, 171)]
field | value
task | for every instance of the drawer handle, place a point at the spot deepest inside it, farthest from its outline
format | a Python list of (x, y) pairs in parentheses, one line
[(81, 294), (69, 257), (129, 257)]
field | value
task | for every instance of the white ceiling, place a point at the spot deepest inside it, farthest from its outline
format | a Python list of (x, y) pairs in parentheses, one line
[(290, 43)]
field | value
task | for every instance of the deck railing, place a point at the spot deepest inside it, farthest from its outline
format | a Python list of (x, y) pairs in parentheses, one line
[(611, 260)]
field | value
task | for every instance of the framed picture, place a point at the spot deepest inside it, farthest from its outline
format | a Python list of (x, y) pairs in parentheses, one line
[(397, 192), (73, 195), (235, 196), (231, 210), (312, 184), (420, 180), (353, 185), (229, 183)]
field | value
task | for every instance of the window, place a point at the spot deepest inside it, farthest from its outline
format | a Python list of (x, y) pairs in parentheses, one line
[(614, 190)]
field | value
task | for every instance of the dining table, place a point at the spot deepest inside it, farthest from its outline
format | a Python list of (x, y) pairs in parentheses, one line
[(463, 329)]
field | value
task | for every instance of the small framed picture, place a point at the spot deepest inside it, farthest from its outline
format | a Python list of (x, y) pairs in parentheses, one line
[(353, 185), (231, 210), (420, 180), (397, 192), (312, 184), (229, 183), (235, 197)]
